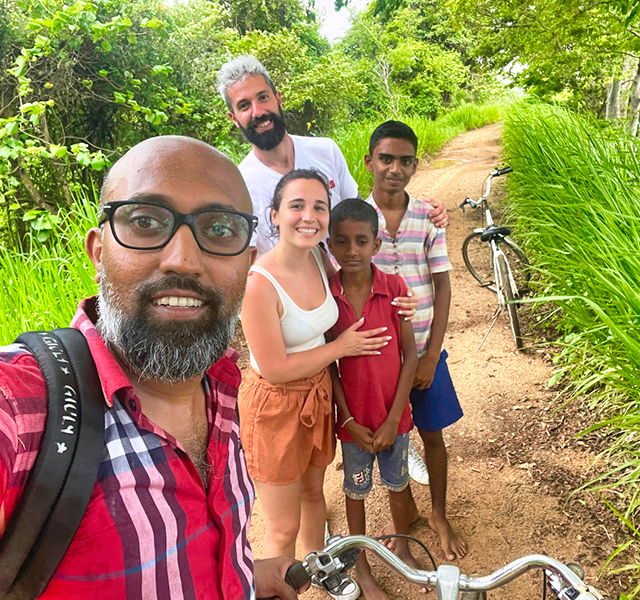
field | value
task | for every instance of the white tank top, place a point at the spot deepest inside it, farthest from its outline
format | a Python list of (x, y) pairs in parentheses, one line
[(302, 329)]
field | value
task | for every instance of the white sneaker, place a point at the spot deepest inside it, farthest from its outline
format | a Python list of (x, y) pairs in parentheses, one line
[(417, 469), (349, 590)]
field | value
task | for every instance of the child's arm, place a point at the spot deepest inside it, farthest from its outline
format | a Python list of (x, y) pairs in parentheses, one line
[(441, 303), (386, 434), (363, 436)]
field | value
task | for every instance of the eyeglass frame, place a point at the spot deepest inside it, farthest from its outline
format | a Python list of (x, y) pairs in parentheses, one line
[(179, 219)]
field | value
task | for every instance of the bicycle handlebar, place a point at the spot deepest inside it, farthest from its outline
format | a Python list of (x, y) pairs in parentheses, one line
[(328, 568), (504, 171), (487, 188)]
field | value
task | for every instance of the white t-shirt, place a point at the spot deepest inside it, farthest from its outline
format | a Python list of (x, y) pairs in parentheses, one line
[(317, 152)]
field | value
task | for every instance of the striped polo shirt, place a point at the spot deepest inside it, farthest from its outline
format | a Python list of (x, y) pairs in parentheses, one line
[(151, 530), (419, 249)]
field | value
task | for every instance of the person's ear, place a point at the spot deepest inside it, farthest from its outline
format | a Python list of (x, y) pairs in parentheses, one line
[(279, 98), (368, 162), (376, 246), (330, 246), (415, 167), (274, 217), (232, 117), (93, 247)]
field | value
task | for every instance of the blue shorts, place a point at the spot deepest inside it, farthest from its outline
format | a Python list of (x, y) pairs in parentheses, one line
[(358, 465), (435, 408)]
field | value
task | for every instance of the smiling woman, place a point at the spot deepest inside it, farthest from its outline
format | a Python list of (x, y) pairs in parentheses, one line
[(285, 404)]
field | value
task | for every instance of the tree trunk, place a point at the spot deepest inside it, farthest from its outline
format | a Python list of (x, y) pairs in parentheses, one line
[(633, 113), (30, 187), (613, 100)]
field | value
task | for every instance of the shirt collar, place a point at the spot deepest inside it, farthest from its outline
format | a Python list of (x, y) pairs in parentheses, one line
[(112, 377), (380, 284)]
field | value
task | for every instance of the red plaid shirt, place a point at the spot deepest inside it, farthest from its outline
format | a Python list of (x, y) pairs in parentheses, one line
[(151, 531)]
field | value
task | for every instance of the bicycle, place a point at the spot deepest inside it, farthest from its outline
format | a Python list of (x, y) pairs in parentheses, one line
[(329, 569), (496, 261)]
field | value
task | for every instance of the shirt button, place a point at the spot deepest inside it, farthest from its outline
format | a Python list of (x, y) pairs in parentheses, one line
[(132, 405)]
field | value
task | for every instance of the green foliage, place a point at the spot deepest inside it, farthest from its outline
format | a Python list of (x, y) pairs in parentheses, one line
[(40, 287), (411, 58), (87, 80), (563, 50), (81, 81), (574, 196)]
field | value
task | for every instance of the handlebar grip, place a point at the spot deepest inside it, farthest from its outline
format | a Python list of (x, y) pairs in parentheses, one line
[(503, 171), (297, 576)]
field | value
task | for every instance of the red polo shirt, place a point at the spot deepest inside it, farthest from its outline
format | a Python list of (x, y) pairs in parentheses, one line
[(370, 382)]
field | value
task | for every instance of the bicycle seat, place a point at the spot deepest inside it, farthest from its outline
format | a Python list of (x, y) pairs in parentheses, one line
[(493, 232)]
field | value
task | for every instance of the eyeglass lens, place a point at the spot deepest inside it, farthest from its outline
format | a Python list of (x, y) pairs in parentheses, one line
[(148, 226)]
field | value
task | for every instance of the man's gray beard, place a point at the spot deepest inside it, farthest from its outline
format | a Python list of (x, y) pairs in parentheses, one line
[(183, 352)]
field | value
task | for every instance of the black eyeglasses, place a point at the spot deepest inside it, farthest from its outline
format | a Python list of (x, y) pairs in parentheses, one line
[(148, 226)]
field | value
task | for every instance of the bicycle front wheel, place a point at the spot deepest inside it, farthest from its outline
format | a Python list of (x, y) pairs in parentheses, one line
[(512, 305)]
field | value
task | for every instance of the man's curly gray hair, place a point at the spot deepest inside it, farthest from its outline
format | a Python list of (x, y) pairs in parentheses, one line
[(239, 69)]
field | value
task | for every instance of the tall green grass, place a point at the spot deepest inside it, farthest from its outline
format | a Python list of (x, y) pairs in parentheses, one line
[(432, 135), (574, 197), (40, 287)]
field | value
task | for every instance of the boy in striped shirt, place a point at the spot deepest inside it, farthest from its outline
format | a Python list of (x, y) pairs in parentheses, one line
[(415, 249)]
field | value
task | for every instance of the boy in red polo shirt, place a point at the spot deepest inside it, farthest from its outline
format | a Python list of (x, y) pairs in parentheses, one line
[(371, 392)]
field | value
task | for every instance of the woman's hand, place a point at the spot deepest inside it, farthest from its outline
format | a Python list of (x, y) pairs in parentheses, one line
[(361, 343), (408, 304)]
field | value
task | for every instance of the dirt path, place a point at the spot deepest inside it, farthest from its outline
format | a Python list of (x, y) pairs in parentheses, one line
[(513, 463)]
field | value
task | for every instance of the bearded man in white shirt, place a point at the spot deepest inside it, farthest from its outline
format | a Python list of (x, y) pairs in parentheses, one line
[(255, 106)]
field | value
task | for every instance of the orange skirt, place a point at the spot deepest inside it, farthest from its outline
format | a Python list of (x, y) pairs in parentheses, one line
[(286, 427)]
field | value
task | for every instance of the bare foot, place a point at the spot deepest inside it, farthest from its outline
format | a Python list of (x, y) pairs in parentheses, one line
[(405, 556), (453, 545), (370, 588), (389, 529)]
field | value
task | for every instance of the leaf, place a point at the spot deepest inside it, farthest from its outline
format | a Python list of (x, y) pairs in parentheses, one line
[(98, 163), (103, 72), (161, 69), (106, 46), (153, 23), (553, 380), (119, 98), (58, 151), (131, 38)]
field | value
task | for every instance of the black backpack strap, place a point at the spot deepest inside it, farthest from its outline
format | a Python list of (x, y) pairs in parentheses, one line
[(63, 476)]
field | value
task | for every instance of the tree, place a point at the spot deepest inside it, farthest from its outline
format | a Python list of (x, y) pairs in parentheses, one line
[(406, 69), (564, 49)]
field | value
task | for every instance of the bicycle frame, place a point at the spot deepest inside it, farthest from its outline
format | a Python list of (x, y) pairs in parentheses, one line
[(504, 282), (495, 250)]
